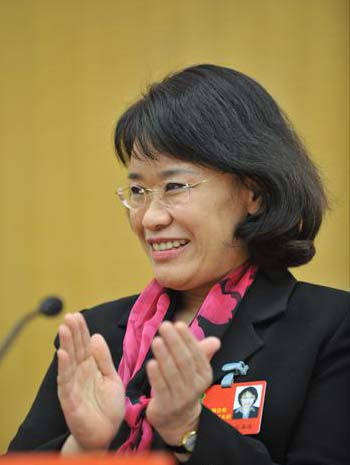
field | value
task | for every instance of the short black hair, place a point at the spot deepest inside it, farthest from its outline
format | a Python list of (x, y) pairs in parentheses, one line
[(220, 118), (252, 391)]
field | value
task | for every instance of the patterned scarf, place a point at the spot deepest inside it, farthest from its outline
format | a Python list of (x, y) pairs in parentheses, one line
[(150, 309)]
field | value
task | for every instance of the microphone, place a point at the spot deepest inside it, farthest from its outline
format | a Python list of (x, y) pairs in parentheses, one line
[(50, 306)]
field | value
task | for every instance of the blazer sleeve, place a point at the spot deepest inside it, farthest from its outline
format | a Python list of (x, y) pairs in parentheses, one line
[(44, 428), (319, 436)]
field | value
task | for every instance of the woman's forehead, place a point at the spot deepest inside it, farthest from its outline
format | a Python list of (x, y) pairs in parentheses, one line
[(163, 166)]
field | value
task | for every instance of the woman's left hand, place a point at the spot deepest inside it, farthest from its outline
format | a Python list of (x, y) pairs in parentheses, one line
[(179, 374)]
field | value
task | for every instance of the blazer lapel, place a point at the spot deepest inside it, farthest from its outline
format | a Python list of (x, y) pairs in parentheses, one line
[(266, 300)]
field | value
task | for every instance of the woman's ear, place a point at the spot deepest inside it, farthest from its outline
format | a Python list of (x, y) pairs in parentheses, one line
[(253, 196)]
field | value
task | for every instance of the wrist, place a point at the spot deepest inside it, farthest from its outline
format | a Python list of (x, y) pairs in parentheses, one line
[(175, 436), (71, 446), (186, 446)]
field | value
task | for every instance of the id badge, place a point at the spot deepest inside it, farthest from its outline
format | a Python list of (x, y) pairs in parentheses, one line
[(240, 405)]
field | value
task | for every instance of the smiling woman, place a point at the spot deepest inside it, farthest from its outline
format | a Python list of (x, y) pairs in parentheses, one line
[(224, 198)]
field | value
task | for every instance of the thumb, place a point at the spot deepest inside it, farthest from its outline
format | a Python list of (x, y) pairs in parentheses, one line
[(210, 345)]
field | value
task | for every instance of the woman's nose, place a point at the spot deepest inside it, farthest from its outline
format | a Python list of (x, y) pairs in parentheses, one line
[(156, 215)]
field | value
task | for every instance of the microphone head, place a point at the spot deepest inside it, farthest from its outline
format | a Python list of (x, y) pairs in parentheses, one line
[(50, 306)]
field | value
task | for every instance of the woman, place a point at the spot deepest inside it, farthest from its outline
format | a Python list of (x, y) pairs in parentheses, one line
[(223, 198), (246, 398)]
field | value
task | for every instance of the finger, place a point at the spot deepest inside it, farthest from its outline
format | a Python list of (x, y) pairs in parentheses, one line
[(65, 382), (62, 365), (103, 357), (200, 357), (74, 325), (169, 369), (178, 351), (66, 342), (85, 336), (64, 369), (68, 323), (210, 345), (158, 384)]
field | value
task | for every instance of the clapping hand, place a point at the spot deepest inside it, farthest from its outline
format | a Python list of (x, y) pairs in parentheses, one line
[(179, 374), (90, 390)]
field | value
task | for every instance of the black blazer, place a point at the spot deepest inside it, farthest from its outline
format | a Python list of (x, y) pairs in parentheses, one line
[(253, 413), (293, 335)]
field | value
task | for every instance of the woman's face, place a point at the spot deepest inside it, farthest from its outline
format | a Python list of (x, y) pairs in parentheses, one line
[(247, 400), (197, 236)]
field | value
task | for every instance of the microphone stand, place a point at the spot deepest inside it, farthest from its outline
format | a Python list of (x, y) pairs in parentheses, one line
[(6, 343), (49, 307)]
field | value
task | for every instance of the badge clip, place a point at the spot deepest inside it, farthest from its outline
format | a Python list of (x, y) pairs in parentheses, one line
[(234, 368)]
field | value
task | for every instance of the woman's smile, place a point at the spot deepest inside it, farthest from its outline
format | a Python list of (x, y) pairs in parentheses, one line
[(166, 249)]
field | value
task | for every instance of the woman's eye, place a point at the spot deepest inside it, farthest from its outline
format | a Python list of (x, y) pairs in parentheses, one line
[(137, 190), (174, 186)]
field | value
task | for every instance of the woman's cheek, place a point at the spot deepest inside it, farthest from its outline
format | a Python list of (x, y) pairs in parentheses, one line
[(135, 221)]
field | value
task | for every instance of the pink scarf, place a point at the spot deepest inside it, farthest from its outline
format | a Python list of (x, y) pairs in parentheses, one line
[(144, 320)]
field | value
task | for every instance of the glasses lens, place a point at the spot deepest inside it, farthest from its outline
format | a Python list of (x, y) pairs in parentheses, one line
[(174, 194), (128, 197), (135, 196)]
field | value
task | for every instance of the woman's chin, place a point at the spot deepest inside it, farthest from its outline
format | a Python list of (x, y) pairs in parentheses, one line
[(171, 284), (176, 282)]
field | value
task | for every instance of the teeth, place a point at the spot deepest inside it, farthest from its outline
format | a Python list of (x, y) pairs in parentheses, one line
[(168, 245)]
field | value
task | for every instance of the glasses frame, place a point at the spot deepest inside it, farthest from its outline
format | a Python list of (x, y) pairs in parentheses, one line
[(151, 192)]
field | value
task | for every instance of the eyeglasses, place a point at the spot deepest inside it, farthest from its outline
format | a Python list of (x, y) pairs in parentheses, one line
[(169, 194)]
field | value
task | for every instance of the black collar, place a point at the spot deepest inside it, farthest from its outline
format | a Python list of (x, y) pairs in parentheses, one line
[(265, 301)]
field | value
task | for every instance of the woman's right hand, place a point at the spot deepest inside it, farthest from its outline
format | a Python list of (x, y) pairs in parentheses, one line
[(90, 390)]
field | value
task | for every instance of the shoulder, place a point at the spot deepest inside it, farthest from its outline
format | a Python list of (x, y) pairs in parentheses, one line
[(284, 284), (303, 306), (316, 291), (102, 317), (321, 297), (108, 318), (320, 306)]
